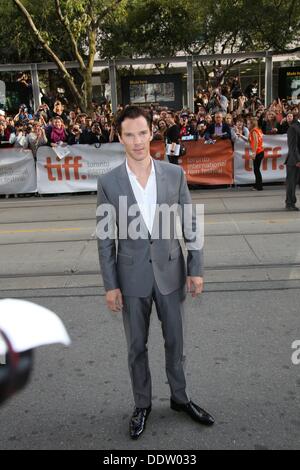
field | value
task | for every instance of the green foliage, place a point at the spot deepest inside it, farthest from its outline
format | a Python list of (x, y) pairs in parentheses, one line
[(149, 28)]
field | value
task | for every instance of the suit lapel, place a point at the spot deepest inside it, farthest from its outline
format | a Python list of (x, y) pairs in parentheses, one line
[(161, 196)]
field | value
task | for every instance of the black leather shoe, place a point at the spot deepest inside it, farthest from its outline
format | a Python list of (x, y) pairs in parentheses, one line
[(138, 422), (194, 411), (292, 208)]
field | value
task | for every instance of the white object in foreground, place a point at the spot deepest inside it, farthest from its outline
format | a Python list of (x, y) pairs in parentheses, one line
[(28, 326)]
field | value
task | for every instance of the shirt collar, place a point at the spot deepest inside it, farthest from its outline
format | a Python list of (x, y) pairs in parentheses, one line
[(130, 172)]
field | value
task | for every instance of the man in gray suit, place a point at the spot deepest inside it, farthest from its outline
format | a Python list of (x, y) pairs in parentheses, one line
[(293, 165), (142, 261)]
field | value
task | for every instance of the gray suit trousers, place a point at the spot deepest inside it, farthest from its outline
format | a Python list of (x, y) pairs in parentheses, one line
[(292, 175), (136, 318)]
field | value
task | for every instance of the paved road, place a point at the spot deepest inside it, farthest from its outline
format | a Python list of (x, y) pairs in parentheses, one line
[(239, 332)]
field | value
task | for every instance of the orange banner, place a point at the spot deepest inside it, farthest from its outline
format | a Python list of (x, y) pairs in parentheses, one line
[(158, 149), (208, 163), (203, 163)]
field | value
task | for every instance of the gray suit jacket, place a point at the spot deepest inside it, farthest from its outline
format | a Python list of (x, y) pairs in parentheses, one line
[(294, 144), (130, 264)]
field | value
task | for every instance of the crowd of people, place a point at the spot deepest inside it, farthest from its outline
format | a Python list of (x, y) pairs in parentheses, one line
[(221, 112)]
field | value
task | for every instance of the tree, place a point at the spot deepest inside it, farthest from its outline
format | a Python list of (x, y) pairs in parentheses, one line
[(78, 29), (80, 21)]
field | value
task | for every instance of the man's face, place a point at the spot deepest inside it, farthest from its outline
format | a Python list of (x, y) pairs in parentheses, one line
[(169, 119), (136, 137), (218, 118)]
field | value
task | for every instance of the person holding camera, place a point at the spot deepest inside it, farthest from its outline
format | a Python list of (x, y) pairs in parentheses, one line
[(19, 138), (42, 113), (23, 115), (36, 138), (58, 111), (113, 135), (75, 136), (96, 137), (218, 102)]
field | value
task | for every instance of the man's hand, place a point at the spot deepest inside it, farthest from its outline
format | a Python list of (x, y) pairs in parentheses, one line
[(194, 285), (114, 300)]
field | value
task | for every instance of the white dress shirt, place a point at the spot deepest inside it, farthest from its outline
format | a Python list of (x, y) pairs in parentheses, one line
[(145, 197)]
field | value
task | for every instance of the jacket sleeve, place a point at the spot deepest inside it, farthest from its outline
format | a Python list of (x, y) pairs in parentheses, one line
[(226, 129), (294, 156), (106, 239), (192, 229), (210, 131)]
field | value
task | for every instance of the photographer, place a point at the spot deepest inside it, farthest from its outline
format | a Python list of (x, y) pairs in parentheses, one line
[(75, 135), (23, 115), (58, 111), (36, 138), (19, 138), (113, 136), (42, 113), (95, 137), (218, 102)]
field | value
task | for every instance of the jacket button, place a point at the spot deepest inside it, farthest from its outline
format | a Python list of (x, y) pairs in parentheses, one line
[(150, 260)]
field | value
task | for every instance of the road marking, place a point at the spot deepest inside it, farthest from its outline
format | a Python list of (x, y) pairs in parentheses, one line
[(257, 221), (41, 230)]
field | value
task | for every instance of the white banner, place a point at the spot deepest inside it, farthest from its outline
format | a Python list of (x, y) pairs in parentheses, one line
[(272, 167), (17, 171), (78, 171)]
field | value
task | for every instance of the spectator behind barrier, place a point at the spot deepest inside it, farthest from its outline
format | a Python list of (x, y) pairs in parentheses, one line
[(96, 137), (37, 138), (218, 130), (56, 133), (58, 111), (5, 134), (285, 123)]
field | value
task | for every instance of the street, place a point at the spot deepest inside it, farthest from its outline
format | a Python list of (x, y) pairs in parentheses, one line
[(239, 331)]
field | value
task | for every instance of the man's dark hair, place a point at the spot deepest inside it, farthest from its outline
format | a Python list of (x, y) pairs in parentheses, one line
[(133, 112)]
